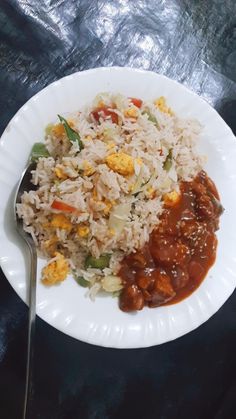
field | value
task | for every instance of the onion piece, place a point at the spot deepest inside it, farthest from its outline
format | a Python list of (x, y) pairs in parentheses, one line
[(111, 283), (138, 184), (119, 216)]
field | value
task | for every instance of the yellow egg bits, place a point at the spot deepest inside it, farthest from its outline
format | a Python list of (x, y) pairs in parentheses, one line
[(161, 104), (121, 163), (56, 271)]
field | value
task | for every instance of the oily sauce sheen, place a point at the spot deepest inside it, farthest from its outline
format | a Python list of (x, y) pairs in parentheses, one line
[(179, 253)]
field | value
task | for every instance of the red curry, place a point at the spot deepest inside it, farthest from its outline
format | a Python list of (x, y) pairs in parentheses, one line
[(179, 253)]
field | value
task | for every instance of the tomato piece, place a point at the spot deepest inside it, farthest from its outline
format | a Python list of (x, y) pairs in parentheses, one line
[(105, 113), (62, 206), (136, 102)]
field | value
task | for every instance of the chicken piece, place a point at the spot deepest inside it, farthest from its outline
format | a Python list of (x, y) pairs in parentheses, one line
[(144, 281), (166, 251), (121, 163), (171, 199), (205, 207), (160, 103), (131, 299), (180, 277), (82, 230), (61, 221), (162, 290), (56, 270)]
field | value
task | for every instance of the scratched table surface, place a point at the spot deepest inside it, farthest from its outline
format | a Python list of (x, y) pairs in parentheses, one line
[(193, 42)]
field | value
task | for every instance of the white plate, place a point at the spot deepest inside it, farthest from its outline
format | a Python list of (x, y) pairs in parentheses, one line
[(65, 306)]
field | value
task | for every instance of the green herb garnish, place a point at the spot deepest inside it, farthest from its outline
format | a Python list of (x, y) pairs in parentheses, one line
[(73, 136)]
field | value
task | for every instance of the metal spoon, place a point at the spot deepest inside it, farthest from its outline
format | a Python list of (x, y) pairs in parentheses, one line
[(26, 185)]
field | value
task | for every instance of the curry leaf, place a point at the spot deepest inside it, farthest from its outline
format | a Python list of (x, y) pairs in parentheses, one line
[(72, 135)]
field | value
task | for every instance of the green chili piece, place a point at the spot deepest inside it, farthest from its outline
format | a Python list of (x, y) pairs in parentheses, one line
[(151, 118), (38, 150), (99, 263), (168, 161), (82, 282), (72, 135)]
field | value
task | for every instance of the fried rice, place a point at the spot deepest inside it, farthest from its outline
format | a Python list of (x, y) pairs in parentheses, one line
[(106, 197)]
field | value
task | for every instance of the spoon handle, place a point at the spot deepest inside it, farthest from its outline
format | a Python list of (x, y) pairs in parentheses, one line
[(31, 330)]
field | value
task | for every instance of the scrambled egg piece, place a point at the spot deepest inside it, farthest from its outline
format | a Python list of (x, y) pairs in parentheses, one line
[(139, 161), (60, 173), (121, 163), (171, 198), (88, 168), (82, 231), (131, 113), (110, 145), (151, 192), (50, 245), (88, 137), (58, 129), (161, 104), (55, 271), (101, 104), (61, 221)]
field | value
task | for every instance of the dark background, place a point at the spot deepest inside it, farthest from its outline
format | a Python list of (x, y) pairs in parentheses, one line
[(193, 42)]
